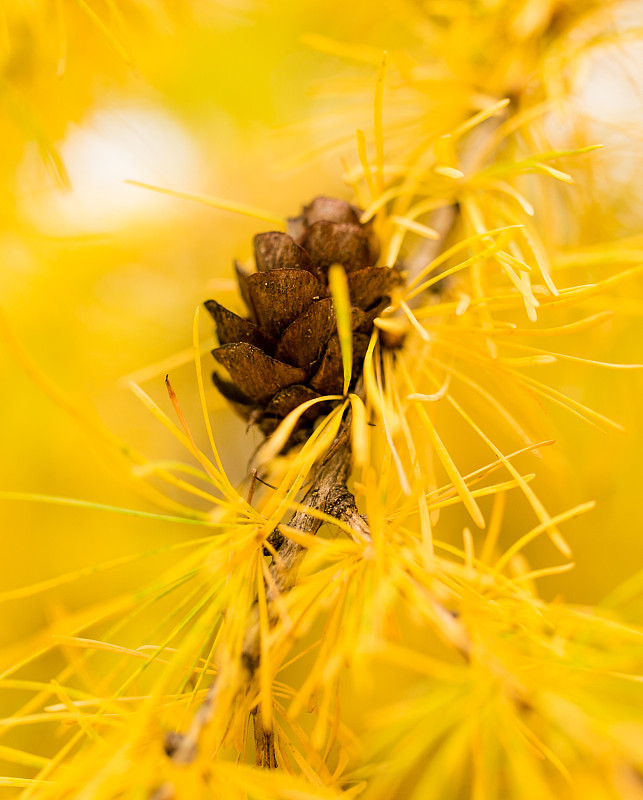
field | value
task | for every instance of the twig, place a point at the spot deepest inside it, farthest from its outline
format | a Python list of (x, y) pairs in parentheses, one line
[(328, 493), (264, 742)]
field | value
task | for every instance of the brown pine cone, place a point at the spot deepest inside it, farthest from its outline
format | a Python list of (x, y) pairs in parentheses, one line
[(288, 350)]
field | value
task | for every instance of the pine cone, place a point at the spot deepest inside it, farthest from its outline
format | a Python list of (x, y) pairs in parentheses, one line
[(288, 350)]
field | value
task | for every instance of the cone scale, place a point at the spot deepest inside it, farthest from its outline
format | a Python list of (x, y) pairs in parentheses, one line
[(286, 351)]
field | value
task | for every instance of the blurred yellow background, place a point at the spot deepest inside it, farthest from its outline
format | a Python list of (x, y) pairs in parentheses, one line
[(101, 279)]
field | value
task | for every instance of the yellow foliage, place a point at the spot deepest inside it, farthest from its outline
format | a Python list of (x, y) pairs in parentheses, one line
[(413, 654)]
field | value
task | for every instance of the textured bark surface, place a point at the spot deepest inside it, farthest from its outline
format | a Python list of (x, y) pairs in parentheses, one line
[(328, 493)]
